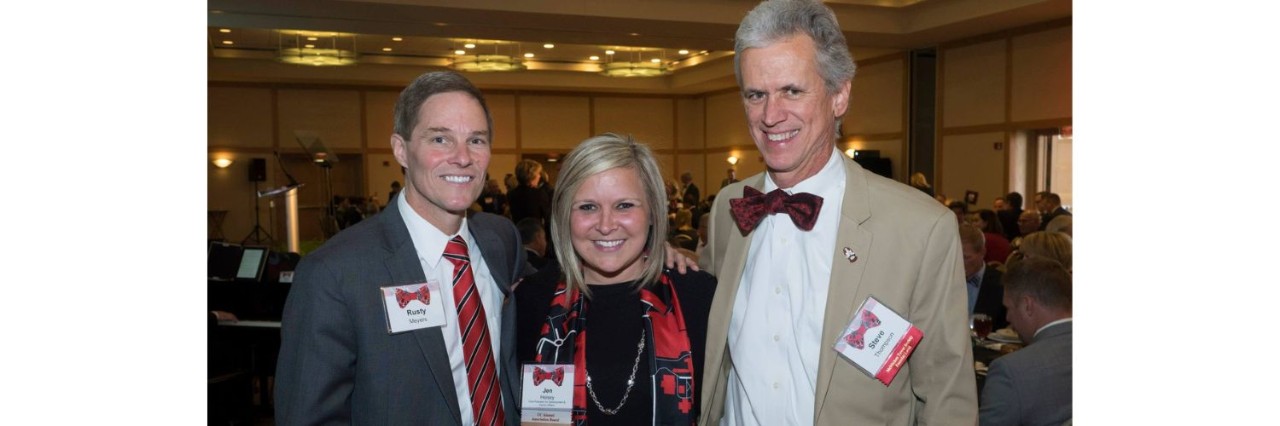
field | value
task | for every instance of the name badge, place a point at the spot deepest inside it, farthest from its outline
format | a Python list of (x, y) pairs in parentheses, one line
[(878, 341), (413, 307), (547, 394)]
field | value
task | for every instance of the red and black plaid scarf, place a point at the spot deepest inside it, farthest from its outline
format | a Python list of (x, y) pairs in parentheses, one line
[(670, 360)]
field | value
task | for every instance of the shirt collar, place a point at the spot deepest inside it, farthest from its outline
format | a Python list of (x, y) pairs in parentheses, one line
[(1051, 324), (830, 178), (976, 279), (428, 240)]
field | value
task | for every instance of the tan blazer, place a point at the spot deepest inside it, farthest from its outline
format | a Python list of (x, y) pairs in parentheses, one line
[(908, 257)]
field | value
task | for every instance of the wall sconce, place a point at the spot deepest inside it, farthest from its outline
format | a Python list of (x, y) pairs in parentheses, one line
[(850, 152), (222, 163), (733, 161)]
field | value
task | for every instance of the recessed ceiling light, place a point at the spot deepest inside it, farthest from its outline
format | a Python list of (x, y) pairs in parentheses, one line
[(228, 42), (635, 34), (396, 39), (684, 51), (386, 49), (608, 52), (224, 30), (655, 60), (310, 46), (469, 45), (459, 52), (311, 39), (549, 46), (595, 58), (528, 55), (440, 24)]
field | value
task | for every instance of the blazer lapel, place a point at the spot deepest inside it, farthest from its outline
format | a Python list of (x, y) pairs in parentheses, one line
[(728, 277), (404, 267), (846, 275)]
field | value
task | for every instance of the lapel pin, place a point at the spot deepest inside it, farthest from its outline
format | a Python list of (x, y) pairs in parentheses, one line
[(849, 254)]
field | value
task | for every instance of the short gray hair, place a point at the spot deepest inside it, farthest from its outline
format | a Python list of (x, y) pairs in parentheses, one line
[(774, 20), (594, 156), (426, 86)]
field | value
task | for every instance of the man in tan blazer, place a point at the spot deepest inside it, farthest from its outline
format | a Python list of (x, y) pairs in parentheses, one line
[(791, 281)]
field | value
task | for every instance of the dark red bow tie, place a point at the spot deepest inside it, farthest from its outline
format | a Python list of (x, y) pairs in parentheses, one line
[(422, 295), (857, 338), (751, 208), (556, 375)]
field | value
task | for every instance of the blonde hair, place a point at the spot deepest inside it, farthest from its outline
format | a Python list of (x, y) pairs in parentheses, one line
[(1049, 245), (594, 156)]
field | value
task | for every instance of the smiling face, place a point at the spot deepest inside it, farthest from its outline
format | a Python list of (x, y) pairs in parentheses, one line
[(445, 158), (791, 116), (609, 226)]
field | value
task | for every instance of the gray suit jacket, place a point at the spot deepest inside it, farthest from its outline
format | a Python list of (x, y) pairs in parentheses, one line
[(1033, 385), (908, 257), (339, 365)]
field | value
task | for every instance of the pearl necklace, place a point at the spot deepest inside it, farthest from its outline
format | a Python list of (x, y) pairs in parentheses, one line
[(631, 381)]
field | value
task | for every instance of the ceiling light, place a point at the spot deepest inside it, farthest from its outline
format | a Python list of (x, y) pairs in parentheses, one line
[(224, 30), (549, 46), (459, 52), (339, 49), (386, 49), (487, 63), (634, 69), (310, 46), (470, 45), (655, 60), (396, 39), (228, 42), (312, 39), (595, 58), (528, 55), (608, 52), (684, 51)]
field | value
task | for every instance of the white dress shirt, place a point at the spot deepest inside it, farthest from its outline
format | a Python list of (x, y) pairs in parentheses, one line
[(429, 242), (778, 312)]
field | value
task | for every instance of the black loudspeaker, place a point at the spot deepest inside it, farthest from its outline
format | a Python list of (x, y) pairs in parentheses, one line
[(258, 170), (878, 165)]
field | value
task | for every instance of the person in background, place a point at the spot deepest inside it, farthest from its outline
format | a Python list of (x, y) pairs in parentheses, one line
[(689, 193), (997, 246), (1032, 386), (1050, 245), (918, 181), (1060, 224), (1050, 207), (395, 189), (1028, 222), (795, 72), (535, 243), (684, 236), (528, 199), (998, 204), (492, 200), (510, 182), (342, 361), (960, 209), (642, 328), (1009, 216), (731, 176), (982, 281)]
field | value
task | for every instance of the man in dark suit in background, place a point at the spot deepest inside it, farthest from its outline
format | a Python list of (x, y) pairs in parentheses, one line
[(349, 354), (1009, 215), (690, 194), (535, 243), (1033, 385), (986, 293)]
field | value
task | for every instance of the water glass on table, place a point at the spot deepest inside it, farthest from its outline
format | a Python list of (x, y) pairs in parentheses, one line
[(981, 325)]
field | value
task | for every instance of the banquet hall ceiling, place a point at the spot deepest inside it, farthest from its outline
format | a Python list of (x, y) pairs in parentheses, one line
[(245, 35)]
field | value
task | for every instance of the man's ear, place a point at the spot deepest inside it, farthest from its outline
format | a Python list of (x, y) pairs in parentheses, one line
[(399, 149), (840, 102)]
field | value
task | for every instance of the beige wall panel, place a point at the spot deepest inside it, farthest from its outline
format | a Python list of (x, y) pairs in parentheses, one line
[(379, 109), (690, 124), (239, 117), (875, 100), (230, 189), (973, 84), (500, 165), (749, 161), (503, 110), (726, 121), (383, 169), (1042, 75), (891, 149), (553, 122), (649, 120), (666, 163), (332, 114), (970, 162)]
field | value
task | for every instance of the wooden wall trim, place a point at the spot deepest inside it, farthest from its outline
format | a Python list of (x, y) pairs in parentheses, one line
[(1003, 127)]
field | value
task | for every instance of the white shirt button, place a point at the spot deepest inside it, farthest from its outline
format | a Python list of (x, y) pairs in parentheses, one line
[(775, 385), (777, 337), (777, 290)]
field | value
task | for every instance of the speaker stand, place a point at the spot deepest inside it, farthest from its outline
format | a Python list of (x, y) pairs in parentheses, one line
[(258, 233)]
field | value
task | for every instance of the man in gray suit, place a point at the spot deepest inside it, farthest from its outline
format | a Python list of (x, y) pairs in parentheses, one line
[(1033, 385), (393, 320)]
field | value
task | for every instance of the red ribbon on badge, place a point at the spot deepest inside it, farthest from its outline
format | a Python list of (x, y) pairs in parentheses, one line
[(556, 375), (869, 321), (422, 295)]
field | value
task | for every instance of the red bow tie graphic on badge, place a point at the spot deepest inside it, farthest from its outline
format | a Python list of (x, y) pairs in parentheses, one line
[(422, 295), (556, 375), (869, 320)]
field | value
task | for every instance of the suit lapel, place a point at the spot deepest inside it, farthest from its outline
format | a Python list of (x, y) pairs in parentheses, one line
[(846, 276), (404, 267), (729, 276)]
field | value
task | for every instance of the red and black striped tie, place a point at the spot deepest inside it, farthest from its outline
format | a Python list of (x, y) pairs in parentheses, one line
[(486, 397)]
